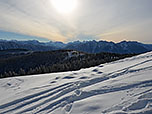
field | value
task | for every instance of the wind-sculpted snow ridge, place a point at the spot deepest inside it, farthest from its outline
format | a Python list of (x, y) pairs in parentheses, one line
[(120, 87)]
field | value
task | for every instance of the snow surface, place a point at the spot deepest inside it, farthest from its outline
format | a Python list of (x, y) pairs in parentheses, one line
[(120, 87)]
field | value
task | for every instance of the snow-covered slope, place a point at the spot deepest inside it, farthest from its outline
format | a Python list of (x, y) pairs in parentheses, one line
[(121, 87)]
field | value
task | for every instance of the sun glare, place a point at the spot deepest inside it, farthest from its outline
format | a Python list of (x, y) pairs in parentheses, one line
[(64, 6)]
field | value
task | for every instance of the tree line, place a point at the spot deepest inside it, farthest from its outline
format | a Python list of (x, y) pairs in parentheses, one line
[(53, 61)]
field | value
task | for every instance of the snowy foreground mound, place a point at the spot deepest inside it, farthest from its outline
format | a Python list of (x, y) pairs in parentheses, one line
[(121, 87)]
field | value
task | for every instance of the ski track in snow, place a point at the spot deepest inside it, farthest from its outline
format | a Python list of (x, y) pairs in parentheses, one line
[(64, 92)]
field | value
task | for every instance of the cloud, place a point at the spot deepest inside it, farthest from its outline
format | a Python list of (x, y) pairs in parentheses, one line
[(93, 19), (19, 16)]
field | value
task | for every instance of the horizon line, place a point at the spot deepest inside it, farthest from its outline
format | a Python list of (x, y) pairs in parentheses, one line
[(72, 41)]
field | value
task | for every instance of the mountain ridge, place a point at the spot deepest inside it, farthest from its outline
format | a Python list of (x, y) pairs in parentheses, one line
[(123, 47)]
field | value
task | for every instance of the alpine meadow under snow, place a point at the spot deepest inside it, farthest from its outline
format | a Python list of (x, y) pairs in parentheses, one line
[(120, 87)]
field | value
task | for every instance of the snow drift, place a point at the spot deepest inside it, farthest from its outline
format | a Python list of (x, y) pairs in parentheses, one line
[(120, 87)]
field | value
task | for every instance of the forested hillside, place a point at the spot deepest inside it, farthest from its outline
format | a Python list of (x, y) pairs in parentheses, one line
[(52, 61)]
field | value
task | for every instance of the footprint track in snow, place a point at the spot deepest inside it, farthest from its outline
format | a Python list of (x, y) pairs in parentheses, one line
[(68, 88)]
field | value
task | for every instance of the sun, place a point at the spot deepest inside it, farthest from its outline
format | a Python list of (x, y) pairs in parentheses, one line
[(64, 6)]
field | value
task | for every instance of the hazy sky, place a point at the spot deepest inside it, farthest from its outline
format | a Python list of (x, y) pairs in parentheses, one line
[(112, 20)]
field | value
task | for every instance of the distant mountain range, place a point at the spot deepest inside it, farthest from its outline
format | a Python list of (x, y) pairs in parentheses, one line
[(32, 45), (123, 47)]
